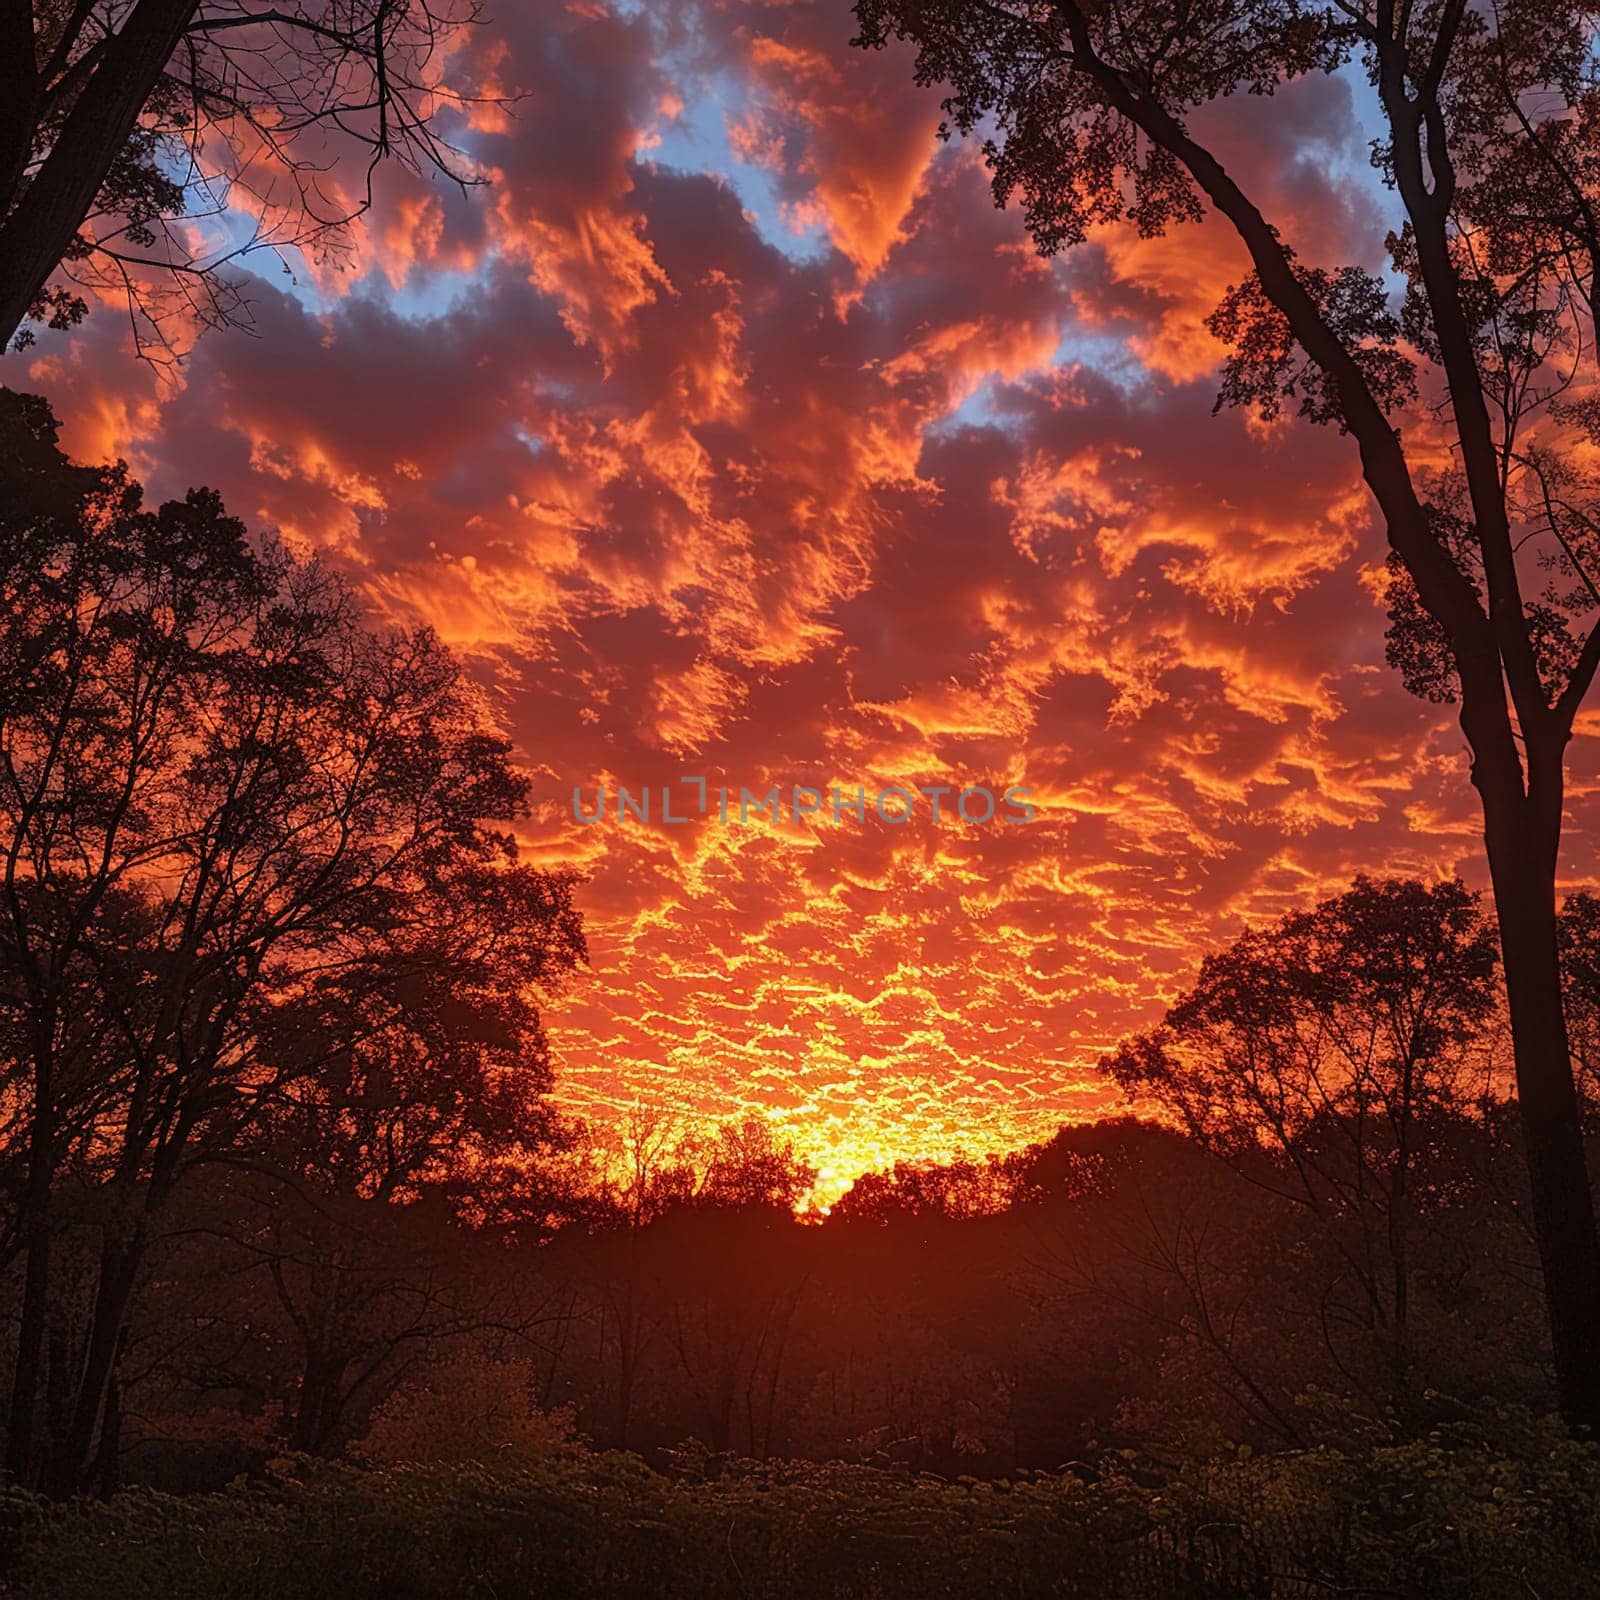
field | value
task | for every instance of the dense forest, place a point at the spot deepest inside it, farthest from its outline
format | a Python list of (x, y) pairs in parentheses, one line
[(289, 1222)]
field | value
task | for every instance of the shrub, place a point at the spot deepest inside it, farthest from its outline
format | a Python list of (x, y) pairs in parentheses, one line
[(1442, 1518)]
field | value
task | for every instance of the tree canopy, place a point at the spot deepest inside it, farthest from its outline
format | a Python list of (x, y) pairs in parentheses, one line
[(145, 144)]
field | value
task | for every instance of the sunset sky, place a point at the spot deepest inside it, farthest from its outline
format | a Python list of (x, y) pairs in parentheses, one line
[(731, 431)]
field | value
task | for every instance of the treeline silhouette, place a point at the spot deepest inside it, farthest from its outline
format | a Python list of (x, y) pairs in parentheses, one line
[(262, 925), (280, 1181)]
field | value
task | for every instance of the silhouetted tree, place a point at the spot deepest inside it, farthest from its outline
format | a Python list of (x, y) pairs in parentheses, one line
[(685, 1285), (722, 1286), (1490, 135), (1326, 1059), (1178, 1264), (746, 1166), (431, 1065), (963, 1187), (245, 849), (115, 115), (1580, 972)]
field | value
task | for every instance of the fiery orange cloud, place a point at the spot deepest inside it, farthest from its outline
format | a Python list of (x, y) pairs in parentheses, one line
[(894, 504)]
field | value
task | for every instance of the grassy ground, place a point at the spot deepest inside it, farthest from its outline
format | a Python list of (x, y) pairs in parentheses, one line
[(1441, 1518)]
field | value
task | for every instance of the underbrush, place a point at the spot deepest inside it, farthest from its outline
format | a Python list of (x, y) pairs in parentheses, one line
[(1447, 1516)]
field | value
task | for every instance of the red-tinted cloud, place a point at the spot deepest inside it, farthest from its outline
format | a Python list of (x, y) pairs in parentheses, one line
[(910, 507)]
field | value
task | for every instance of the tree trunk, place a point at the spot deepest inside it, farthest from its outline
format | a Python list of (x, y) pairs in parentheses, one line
[(75, 1455), (36, 234), (107, 1461), (28, 1372), (1521, 840), (19, 98)]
